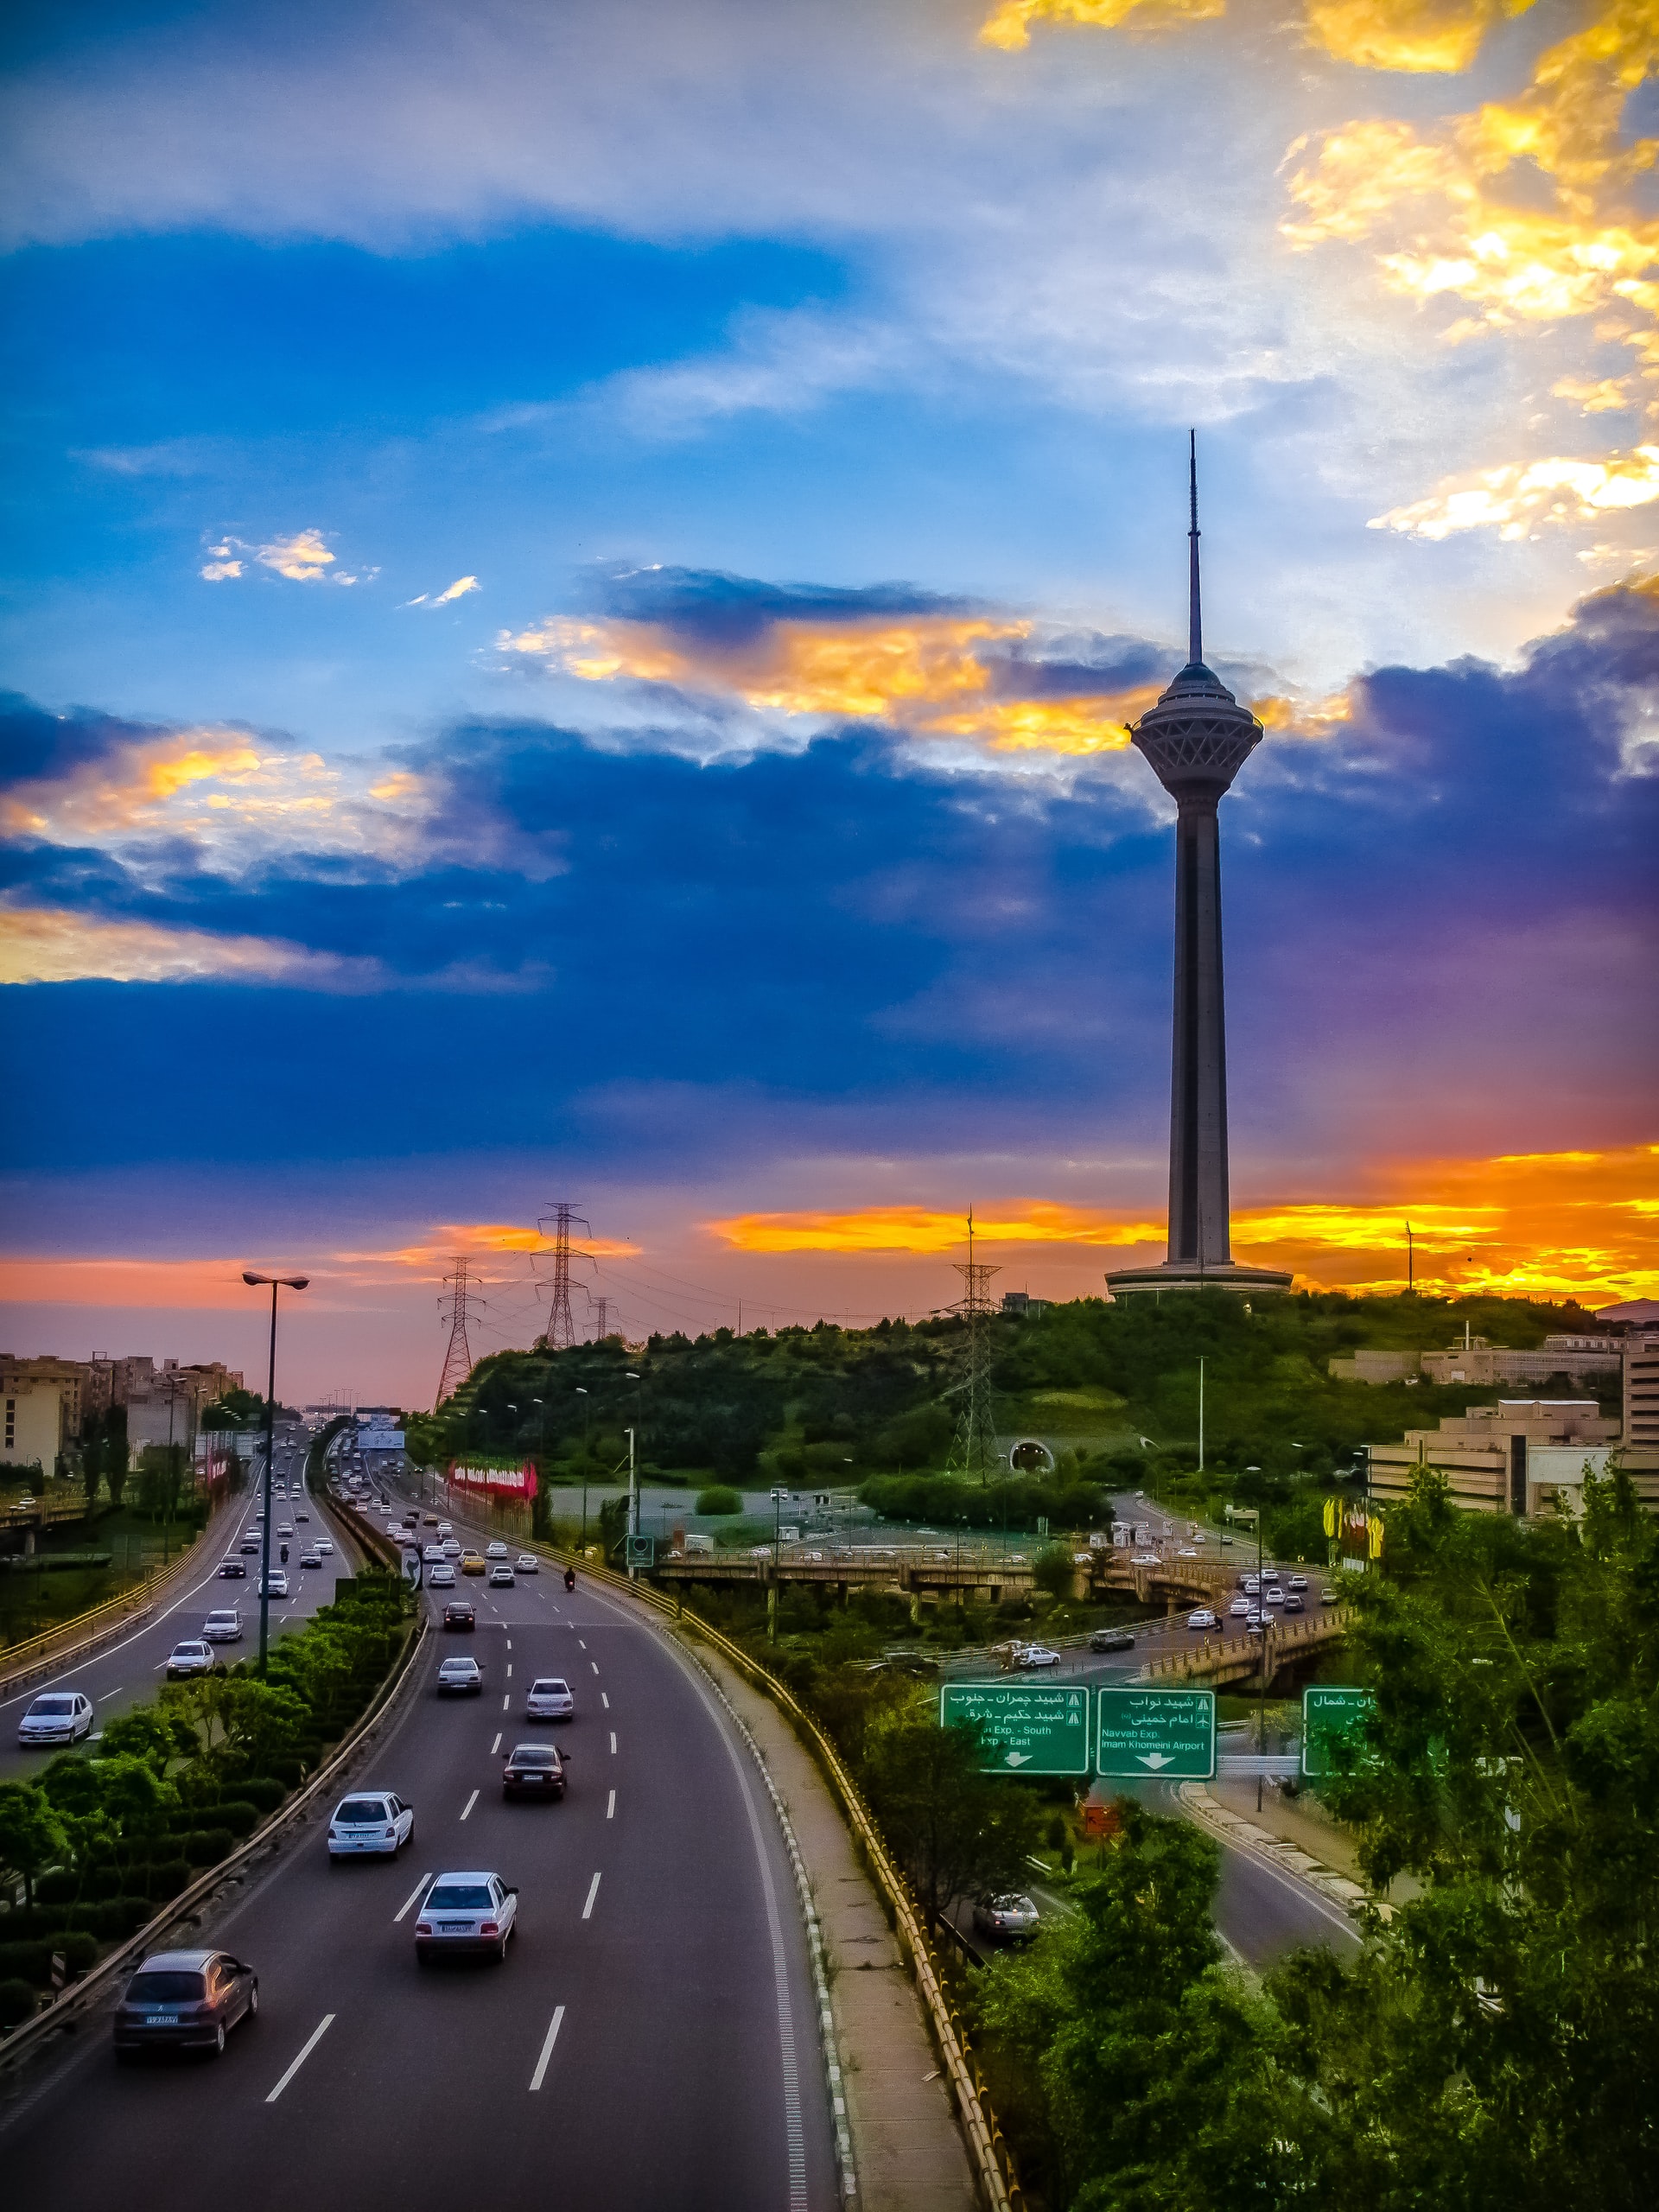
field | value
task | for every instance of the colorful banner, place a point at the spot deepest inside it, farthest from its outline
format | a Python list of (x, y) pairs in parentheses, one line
[(504, 1482)]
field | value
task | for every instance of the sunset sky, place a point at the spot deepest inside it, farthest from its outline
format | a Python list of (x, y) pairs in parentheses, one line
[(577, 573)]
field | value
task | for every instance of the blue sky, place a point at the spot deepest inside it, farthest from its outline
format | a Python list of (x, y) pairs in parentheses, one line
[(582, 570)]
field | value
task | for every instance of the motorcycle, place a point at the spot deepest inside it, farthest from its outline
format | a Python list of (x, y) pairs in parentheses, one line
[(284, 1552), (570, 1578)]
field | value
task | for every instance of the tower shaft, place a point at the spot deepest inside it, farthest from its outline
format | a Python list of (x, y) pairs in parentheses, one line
[(1199, 1233)]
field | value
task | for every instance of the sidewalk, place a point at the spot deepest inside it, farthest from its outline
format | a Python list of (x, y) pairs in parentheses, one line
[(907, 2150)]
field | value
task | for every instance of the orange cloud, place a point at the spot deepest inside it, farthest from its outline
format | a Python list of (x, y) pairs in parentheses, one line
[(51, 944), (472, 1236), (926, 674), (1009, 26), (1545, 1225)]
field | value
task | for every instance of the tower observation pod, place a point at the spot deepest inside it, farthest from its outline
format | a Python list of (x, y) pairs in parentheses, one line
[(1196, 740)]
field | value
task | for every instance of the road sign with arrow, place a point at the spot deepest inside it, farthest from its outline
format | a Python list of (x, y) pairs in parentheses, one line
[(1170, 1734), (1030, 1727)]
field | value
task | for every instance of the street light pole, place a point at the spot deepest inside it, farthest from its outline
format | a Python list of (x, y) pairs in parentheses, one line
[(277, 1282), (1200, 1416), (633, 1507), (587, 1453)]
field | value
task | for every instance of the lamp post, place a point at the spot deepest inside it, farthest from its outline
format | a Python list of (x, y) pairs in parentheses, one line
[(276, 1283), (587, 1448), (628, 1376)]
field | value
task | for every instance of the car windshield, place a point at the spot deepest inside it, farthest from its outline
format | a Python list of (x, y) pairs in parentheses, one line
[(459, 1896), (358, 1812), (534, 1755), (164, 1988), (549, 1688), (49, 1707), (458, 1666)]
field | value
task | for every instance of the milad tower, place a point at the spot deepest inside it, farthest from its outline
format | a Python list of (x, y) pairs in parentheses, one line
[(1196, 739)]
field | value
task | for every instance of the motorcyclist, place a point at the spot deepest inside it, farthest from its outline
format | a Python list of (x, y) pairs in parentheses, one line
[(283, 1549), (570, 1578)]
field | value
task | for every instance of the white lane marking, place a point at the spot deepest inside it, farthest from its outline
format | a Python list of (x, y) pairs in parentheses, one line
[(309, 2045), (593, 1892), (413, 1896), (610, 1807), (583, 1645), (509, 1670), (604, 1701), (509, 1643), (496, 1745), (116, 1691), (505, 1703), (540, 2074), (594, 1663), (471, 1802), (613, 1742)]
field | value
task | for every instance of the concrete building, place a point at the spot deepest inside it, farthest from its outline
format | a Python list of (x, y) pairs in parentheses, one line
[(1475, 1361), (1642, 1392), (33, 1423), (1515, 1457), (1196, 740)]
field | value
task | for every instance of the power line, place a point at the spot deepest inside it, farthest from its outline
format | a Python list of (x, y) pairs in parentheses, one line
[(458, 1359)]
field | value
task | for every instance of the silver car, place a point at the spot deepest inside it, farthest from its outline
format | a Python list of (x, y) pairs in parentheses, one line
[(527, 1563), (460, 1678), (1013, 1917), (464, 1914), (549, 1699), (193, 1658), (56, 1717), (370, 1822), (224, 1627)]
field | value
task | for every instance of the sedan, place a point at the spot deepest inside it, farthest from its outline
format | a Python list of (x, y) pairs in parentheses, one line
[(250, 1544), (232, 1569), (1146, 1559), (325, 1545), (501, 1576), (1273, 1595), (223, 1627), (1038, 1655), (311, 1557), (549, 1699), (1299, 1582), (185, 2000), (466, 1913), (1013, 1917), (1239, 1608), (56, 1717), (1294, 1604), (1112, 1639), (533, 1770), (1201, 1617), (193, 1658), (460, 1678), (440, 1578), (302, 1515), (434, 1555), (495, 1549), (274, 1585), (527, 1563), (471, 1563), (460, 1614), (371, 1822), (285, 1529), (451, 1547)]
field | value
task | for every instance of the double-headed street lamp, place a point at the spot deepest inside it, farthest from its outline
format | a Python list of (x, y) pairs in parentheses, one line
[(276, 1283)]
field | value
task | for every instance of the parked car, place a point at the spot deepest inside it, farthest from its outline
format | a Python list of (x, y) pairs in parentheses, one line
[(185, 2000), (501, 1576), (460, 1678), (1013, 1917), (1201, 1617), (224, 1626), (232, 1569), (1034, 1656), (1112, 1639), (466, 1913), (191, 1658), (440, 1578), (527, 1563), (458, 1614), (495, 1549), (533, 1770), (370, 1822), (56, 1717), (549, 1697), (471, 1563)]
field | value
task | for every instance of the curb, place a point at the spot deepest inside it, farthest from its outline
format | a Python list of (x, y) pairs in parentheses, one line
[(1245, 1835)]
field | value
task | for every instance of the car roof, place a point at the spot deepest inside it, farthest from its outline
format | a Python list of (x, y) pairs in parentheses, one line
[(549, 1750), (467, 1874), (175, 1962)]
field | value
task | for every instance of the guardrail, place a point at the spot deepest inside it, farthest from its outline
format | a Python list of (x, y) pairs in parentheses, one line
[(25, 1663), (1247, 1652), (992, 2159), (80, 1996)]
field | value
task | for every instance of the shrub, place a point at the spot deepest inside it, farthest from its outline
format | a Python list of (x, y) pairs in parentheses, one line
[(240, 1815), (263, 1791), (207, 1846), (166, 1879), (60, 1886), (719, 1498), (17, 2002)]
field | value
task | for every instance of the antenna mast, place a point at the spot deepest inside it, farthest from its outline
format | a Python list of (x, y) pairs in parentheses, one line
[(1194, 616)]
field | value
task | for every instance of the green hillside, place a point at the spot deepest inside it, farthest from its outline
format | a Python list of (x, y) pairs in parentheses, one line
[(1112, 1389)]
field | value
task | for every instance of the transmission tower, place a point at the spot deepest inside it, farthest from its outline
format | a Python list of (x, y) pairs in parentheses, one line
[(561, 1323), (974, 1449), (459, 1300), (603, 1324)]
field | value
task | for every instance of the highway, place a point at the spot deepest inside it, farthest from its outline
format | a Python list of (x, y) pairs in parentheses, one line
[(651, 2041), (127, 1671)]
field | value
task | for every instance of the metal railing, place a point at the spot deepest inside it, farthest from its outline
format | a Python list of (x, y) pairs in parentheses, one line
[(21, 1662)]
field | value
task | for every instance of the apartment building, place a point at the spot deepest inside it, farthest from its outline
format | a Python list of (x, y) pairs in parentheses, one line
[(1518, 1456)]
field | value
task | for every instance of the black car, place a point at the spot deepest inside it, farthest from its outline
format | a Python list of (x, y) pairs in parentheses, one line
[(232, 1568), (533, 1770), (185, 2000), (460, 1614), (1112, 1639)]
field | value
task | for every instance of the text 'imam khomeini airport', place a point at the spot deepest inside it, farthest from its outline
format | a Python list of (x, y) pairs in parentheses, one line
[(1196, 738)]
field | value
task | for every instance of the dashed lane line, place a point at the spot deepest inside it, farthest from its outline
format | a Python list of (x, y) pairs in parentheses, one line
[(305, 2050), (604, 1701), (610, 1807), (496, 1745), (413, 1896), (613, 1742), (471, 1802), (540, 2074), (593, 1892)]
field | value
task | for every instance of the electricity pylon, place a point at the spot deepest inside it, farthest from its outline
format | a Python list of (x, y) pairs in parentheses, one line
[(561, 1322), (461, 1298), (974, 1450)]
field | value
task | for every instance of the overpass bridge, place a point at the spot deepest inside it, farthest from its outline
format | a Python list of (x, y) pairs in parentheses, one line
[(933, 1573)]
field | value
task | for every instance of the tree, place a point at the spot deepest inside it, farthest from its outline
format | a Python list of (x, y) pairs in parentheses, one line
[(958, 1832), (116, 1454), (32, 1837)]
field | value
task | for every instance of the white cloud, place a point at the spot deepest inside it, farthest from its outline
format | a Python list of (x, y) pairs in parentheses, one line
[(459, 589), (218, 572)]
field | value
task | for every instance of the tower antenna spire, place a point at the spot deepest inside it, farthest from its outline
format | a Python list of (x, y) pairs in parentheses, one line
[(1195, 620)]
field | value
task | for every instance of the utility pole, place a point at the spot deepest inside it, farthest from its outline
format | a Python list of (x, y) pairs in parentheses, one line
[(460, 1300), (561, 1326), (974, 1450), (1411, 1263), (277, 1282), (633, 1507), (1200, 1416)]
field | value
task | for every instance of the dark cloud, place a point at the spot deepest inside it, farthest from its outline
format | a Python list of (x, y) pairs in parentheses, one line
[(35, 743), (728, 610)]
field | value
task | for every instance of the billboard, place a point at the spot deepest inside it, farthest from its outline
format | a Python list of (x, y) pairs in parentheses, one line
[(503, 1481)]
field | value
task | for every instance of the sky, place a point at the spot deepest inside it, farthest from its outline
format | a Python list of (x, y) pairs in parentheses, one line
[(576, 579)]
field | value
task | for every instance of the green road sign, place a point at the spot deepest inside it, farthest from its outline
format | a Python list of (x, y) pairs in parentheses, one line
[(1030, 1727), (1328, 1715), (1170, 1734), (642, 1551)]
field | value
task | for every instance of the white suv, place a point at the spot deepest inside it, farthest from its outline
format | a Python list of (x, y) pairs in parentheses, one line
[(56, 1717)]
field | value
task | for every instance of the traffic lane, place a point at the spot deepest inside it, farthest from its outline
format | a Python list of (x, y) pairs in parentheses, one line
[(667, 1983), (1262, 1912), (127, 1672)]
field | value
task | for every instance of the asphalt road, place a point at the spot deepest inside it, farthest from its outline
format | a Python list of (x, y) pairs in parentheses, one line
[(651, 2041), (125, 1673)]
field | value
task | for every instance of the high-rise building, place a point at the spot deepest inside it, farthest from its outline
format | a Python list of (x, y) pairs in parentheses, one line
[(1196, 740)]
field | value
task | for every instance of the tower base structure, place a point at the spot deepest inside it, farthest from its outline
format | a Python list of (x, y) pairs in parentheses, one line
[(1185, 1274)]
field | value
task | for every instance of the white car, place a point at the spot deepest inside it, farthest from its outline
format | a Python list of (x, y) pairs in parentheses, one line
[(445, 1529), (527, 1563), (1274, 1595), (1299, 1582), (501, 1576), (460, 1678), (223, 1627), (1038, 1655), (463, 1913), (1146, 1559), (549, 1697), (451, 1547), (496, 1550), (193, 1658), (325, 1545), (434, 1555), (1239, 1608), (275, 1584), (370, 1822), (56, 1717), (311, 1557), (1201, 1617), (285, 1529), (442, 1578)]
